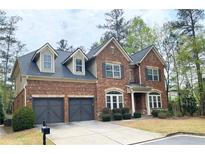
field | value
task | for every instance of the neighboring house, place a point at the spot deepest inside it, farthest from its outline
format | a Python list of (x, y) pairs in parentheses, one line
[(73, 86)]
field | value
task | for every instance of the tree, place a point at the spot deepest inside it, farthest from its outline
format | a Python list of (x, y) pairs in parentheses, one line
[(139, 36), (115, 25), (63, 46), (188, 23), (94, 45), (8, 43), (1, 110)]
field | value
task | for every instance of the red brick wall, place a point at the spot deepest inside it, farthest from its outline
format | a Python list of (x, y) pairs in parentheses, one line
[(152, 60), (104, 83), (59, 88), (19, 101)]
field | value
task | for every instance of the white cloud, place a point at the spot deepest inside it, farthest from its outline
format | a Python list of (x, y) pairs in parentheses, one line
[(77, 26)]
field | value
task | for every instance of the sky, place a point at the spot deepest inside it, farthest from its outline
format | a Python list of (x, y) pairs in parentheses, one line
[(79, 27)]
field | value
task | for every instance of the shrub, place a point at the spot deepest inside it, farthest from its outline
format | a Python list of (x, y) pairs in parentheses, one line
[(106, 110), (2, 116), (8, 122), (137, 115), (125, 110), (163, 114), (155, 112), (178, 114), (116, 110), (126, 116), (23, 119), (117, 116), (106, 117)]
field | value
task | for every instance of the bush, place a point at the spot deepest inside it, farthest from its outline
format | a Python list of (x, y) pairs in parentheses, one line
[(125, 110), (116, 110), (106, 117), (23, 119), (8, 122), (106, 110), (155, 112), (178, 114), (137, 115), (2, 116), (117, 116), (163, 114), (126, 116)]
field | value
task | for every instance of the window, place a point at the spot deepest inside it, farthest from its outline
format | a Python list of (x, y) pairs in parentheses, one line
[(155, 100), (153, 74), (47, 61), (113, 71), (114, 100), (78, 65)]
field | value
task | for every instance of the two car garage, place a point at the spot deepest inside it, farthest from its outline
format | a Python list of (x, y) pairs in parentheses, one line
[(52, 109)]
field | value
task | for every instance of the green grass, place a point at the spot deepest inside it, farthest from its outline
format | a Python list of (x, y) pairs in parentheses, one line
[(168, 126), (27, 137)]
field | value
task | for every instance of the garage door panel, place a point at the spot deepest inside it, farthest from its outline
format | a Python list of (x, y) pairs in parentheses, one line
[(50, 110), (81, 109)]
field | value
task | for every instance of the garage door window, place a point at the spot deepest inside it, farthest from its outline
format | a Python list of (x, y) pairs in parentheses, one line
[(114, 100)]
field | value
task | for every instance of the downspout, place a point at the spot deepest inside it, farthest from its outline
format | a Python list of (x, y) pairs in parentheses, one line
[(139, 74), (25, 91)]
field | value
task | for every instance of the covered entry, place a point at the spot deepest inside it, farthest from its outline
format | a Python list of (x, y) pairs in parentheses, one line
[(49, 109), (81, 109)]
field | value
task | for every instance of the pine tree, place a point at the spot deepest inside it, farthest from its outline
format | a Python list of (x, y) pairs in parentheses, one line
[(115, 26), (63, 46), (188, 24)]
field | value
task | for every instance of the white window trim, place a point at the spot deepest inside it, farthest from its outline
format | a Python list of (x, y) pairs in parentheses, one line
[(113, 75), (154, 95), (111, 99), (45, 61), (74, 66), (79, 65), (154, 68), (41, 64)]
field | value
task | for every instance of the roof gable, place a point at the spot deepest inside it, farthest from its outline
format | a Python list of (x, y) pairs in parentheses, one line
[(97, 51), (73, 54), (47, 45), (139, 56)]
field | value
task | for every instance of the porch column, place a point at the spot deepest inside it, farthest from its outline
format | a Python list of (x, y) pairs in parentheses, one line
[(147, 104), (133, 102)]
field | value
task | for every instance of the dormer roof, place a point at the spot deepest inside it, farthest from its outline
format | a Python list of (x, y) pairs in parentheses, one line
[(73, 53), (37, 52)]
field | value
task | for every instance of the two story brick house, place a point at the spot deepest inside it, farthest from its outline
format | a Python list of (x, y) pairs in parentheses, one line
[(65, 86)]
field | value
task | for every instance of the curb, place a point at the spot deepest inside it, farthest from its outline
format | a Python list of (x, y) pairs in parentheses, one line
[(169, 135)]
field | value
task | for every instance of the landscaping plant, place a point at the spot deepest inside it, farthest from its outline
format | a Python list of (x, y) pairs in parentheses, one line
[(106, 114), (137, 115), (23, 119)]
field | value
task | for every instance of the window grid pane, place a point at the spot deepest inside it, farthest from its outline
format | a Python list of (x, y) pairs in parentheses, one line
[(47, 61), (79, 67)]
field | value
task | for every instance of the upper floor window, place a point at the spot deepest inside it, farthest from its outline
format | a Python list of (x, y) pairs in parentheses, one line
[(152, 74), (113, 71), (79, 67), (47, 61)]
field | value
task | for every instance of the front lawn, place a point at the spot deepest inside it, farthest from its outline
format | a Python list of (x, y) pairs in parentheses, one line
[(27, 137), (167, 126)]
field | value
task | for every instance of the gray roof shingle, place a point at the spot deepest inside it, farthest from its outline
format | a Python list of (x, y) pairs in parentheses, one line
[(138, 56), (28, 67)]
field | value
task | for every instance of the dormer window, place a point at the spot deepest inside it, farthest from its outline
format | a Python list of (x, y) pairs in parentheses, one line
[(79, 67), (47, 61)]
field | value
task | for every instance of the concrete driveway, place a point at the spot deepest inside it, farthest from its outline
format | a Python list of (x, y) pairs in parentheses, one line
[(96, 132), (180, 139)]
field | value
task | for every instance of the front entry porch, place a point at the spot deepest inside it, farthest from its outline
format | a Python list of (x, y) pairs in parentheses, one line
[(140, 98)]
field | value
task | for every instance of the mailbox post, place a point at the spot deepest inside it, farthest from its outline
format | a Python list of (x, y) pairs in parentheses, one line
[(45, 130)]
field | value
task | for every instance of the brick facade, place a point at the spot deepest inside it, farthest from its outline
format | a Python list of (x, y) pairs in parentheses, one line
[(98, 89), (108, 56), (19, 101)]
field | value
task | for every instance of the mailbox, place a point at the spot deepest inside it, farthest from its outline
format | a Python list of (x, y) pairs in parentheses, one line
[(45, 130)]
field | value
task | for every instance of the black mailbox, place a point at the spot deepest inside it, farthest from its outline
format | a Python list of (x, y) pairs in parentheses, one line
[(45, 130)]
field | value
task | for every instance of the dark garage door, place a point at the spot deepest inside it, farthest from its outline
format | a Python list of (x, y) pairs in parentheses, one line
[(49, 109), (81, 109)]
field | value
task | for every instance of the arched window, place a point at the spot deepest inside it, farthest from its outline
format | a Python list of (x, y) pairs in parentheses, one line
[(114, 99), (155, 100)]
